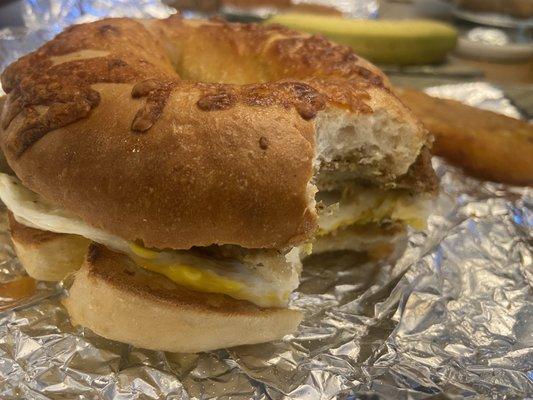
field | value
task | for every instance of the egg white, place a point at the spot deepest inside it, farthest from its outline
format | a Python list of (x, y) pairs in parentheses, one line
[(366, 205)]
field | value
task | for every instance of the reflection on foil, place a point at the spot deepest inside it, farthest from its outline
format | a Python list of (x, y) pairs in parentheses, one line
[(55, 15), (477, 94), (454, 315)]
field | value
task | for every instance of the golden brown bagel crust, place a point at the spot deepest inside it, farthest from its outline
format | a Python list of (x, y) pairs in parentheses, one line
[(120, 301), (106, 121), (47, 256), (24, 234)]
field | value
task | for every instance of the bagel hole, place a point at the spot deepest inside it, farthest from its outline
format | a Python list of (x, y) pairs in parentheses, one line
[(217, 62), (239, 75)]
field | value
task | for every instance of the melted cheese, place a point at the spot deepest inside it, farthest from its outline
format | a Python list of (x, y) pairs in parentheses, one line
[(208, 275), (366, 206)]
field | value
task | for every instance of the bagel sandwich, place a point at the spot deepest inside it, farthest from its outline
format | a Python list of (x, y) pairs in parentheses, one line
[(181, 169)]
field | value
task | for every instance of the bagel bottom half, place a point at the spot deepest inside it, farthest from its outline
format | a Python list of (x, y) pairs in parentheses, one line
[(116, 299)]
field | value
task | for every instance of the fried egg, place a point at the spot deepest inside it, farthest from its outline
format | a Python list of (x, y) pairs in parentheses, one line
[(365, 206)]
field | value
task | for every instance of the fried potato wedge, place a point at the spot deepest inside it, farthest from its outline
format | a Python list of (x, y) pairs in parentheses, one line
[(484, 144)]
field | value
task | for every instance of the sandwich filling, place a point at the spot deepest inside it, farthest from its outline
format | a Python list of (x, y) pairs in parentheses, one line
[(362, 206), (263, 277)]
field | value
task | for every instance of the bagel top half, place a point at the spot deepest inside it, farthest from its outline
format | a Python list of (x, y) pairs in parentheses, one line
[(182, 133)]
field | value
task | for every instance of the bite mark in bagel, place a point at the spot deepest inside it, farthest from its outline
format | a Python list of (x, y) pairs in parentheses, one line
[(204, 156)]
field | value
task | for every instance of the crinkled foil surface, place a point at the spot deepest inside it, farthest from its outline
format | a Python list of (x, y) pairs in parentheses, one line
[(477, 94), (453, 318)]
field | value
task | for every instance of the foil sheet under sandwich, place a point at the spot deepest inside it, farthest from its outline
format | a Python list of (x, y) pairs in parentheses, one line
[(453, 318)]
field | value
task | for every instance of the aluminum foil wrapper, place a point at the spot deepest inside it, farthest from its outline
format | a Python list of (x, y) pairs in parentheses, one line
[(477, 94), (453, 318)]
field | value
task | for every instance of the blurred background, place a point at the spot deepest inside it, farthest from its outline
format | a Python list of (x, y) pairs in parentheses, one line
[(419, 43)]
